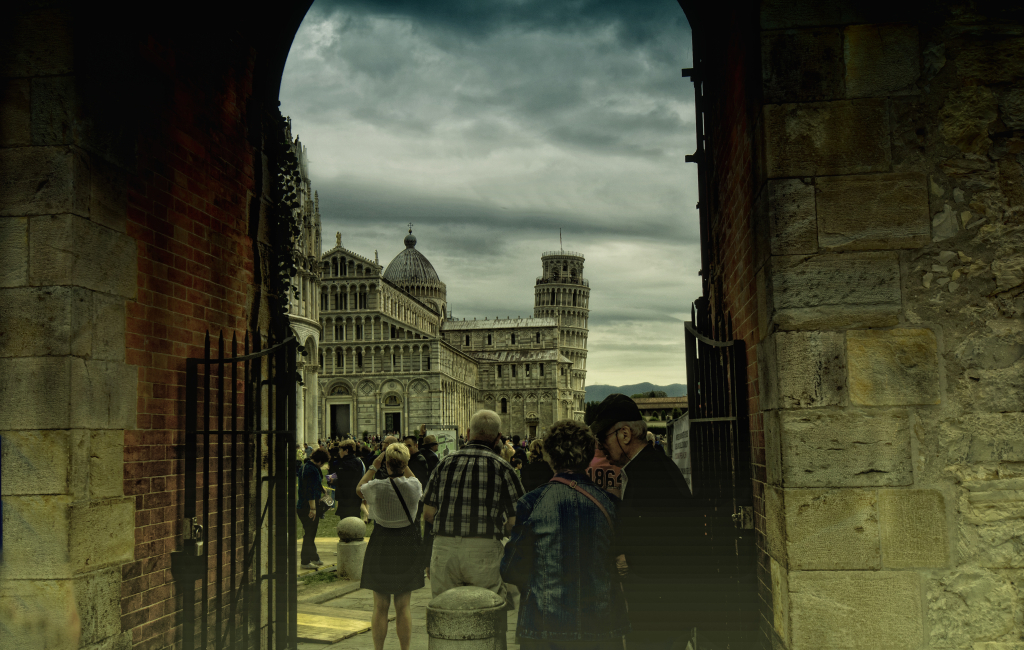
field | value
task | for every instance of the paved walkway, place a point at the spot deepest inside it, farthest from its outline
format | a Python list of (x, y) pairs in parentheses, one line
[(327, 548), (349, 608)]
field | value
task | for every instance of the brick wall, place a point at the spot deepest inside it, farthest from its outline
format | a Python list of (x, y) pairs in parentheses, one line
[(732, 258), (188, 212)]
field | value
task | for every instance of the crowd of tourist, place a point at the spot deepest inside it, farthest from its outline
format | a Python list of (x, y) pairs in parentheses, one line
[(590, 523)]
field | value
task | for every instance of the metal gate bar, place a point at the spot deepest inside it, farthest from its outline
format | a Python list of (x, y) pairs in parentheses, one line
[(234, 611), (720, 453)]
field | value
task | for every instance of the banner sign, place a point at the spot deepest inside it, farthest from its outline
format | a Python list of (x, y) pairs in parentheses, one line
[(679, 431)]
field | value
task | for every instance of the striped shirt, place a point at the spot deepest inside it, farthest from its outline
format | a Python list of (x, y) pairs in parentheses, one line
[(474, 491)]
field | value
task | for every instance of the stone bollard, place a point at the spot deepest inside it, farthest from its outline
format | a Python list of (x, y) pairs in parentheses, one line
[(467, 618), (351, 547)]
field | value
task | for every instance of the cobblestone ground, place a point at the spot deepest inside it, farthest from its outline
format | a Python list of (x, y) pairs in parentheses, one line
[(363, 600)]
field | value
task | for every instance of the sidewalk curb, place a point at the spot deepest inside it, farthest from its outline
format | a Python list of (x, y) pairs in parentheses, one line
[(321, 596)]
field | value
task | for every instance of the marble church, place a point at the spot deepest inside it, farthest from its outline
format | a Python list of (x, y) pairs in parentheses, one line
[(391, 357)]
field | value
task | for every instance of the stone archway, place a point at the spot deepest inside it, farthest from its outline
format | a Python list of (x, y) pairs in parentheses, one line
[(132, 157)]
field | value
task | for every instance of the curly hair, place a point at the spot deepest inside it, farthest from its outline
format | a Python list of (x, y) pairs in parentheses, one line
[(569, 445), (397, 457), (536, 450)]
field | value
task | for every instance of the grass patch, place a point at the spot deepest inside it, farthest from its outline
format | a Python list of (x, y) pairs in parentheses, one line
[(318, 577), (328, 526)]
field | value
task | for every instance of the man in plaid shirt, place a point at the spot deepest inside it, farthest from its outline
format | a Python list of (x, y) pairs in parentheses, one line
[(470, 500)]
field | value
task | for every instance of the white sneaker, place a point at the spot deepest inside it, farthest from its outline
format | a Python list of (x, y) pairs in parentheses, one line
[(317, 562), (308, 566)]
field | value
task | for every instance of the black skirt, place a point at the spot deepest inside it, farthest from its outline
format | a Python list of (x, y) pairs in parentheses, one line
[(393, 564)]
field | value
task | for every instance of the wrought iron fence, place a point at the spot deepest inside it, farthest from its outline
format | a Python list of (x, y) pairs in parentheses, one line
[(239, 526)]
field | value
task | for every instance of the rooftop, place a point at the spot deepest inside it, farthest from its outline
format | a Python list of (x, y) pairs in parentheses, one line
[(562, 254), (498, 323), (515, 356), (660, 402)]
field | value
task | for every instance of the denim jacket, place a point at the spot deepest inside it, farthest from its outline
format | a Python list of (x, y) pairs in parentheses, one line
[(560, 556)]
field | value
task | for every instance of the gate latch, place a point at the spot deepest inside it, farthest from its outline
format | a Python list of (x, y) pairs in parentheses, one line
[(192, 531), (744, 518)]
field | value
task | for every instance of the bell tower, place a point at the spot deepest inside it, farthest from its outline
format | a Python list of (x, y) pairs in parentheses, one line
[(562, 293)]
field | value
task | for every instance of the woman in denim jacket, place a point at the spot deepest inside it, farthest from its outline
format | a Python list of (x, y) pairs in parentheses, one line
[(560, 554)]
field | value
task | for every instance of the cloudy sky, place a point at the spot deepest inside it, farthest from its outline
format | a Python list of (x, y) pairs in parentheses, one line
[(492, 124)]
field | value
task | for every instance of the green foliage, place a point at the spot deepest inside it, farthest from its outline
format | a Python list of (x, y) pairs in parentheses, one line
[(318, 577), (677, 413), (653, 393)]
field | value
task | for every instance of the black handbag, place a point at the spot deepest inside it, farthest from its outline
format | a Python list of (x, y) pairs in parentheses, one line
[(419, 540)]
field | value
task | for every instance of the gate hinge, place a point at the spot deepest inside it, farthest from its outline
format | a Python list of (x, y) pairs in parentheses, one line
[(744, 518)]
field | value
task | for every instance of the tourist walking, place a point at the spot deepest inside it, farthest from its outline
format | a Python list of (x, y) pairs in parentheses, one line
[(471, 502), (537, 472), (350, 469), (660, 534), (391, 566), (561, 554), (310, 491)]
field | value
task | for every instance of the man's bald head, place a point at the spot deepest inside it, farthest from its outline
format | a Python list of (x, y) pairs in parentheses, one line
[(485, 425)]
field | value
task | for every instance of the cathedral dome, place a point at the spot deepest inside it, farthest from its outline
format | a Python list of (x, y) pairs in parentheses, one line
[(410, 266)]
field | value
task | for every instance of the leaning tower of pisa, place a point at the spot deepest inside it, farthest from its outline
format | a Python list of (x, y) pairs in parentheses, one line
[(562, 293)]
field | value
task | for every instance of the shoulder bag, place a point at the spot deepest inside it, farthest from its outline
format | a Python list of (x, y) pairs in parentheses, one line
[(407, 514)]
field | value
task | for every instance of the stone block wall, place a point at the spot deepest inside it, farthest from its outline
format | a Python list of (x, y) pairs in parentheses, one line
[(67, 389), (133, 202), (890, 302)]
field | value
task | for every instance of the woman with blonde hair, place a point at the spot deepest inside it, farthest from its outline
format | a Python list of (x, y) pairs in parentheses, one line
[(392, 565)]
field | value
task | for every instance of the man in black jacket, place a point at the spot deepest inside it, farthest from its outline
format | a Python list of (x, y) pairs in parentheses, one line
[(659, 532)]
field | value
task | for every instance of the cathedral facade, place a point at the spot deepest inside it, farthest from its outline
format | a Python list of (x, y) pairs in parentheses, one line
[(303, 302), (391, 358)]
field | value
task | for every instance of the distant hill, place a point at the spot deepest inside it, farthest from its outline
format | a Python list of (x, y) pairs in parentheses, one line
[(601, 391)]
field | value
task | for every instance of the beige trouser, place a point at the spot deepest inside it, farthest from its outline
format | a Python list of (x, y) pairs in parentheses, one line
[(460, 561)]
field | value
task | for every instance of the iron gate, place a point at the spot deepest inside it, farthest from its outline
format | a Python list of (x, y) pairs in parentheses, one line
[(716, 382), (240, 477)]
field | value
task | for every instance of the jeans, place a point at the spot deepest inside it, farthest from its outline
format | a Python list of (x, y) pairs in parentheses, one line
[(309, 526)]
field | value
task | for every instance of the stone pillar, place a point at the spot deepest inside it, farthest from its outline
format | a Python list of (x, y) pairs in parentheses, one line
[(467, 618), (67, 391), (351, 547)]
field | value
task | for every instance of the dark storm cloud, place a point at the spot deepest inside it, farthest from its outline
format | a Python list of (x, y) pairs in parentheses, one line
[(491, 125), (636, 22)]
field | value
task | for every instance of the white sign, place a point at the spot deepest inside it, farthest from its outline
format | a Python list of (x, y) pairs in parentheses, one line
[(680, 431), (446, 441)]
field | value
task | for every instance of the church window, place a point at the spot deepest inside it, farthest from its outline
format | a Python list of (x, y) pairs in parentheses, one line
[(513, 370), (565, 267), (563, 371), (467, 340), (552, 296), (359, 332), (359, 358), (504, 405), (513, 339), (538, 337), (428, 362), (321, 359), (499, 372), (573, 298), (542, 370), (489, 339), (527, 370), (323, 302), (362, 300), (393, 332)]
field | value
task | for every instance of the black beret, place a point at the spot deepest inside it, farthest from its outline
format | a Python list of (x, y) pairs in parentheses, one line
[(614, 408)]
